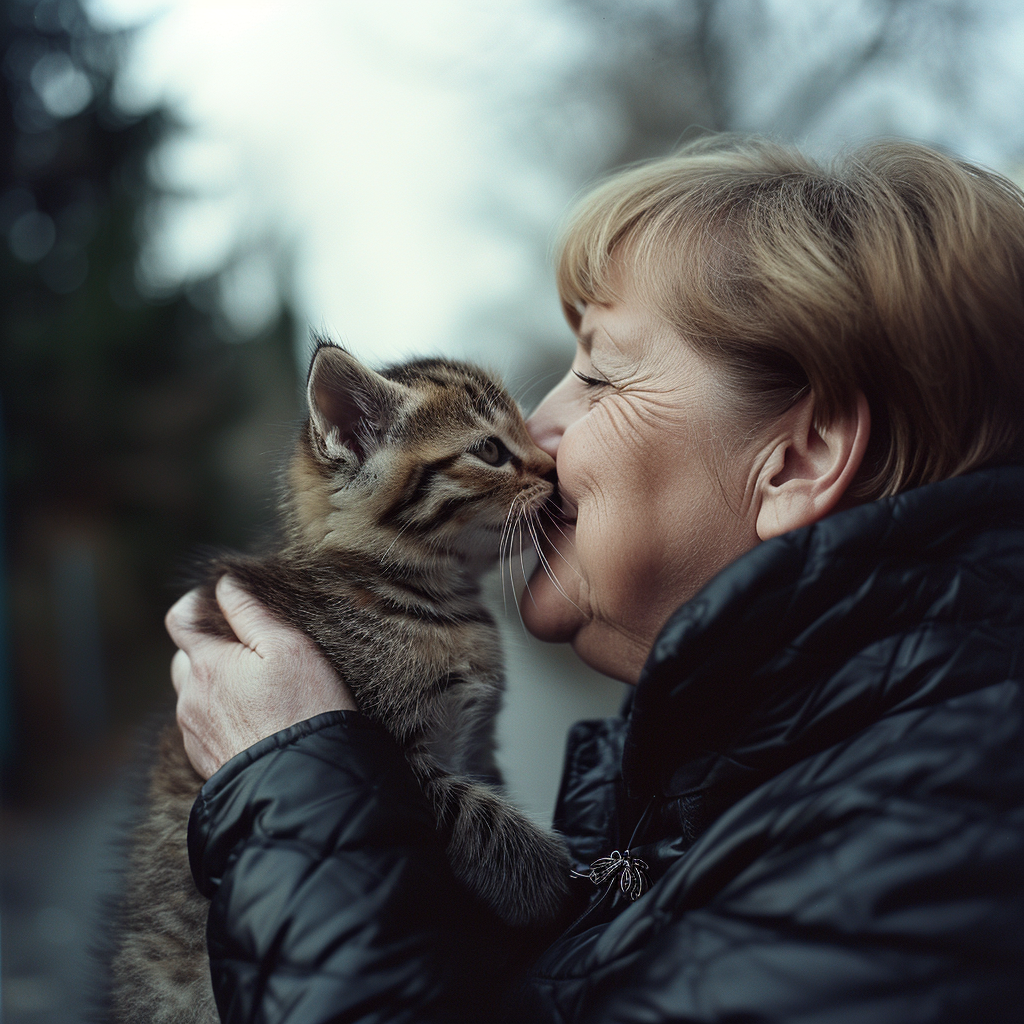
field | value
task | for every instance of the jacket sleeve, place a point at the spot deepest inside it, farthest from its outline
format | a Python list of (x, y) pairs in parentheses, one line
[(331, 896)]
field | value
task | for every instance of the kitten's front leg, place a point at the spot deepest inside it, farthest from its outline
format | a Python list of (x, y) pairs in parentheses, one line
[(517, 868)]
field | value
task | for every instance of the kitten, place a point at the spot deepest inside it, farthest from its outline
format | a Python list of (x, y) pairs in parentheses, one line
[(402, 488)]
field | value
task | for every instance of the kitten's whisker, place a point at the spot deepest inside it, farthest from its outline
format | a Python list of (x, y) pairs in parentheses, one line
[(506, 530), (511, 564), (548, 570), (387, 550), (510, 518), (522, 560), (557, 524), (540, 526), (523, 388), (511, 578), (526, 579)]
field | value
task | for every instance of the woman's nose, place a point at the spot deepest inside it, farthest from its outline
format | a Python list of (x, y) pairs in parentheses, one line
[(548, 421)]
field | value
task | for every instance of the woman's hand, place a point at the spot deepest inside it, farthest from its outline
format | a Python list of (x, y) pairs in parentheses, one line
[(232, 693)]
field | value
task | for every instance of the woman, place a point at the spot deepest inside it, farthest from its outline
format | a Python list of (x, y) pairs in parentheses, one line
[(789, 446)]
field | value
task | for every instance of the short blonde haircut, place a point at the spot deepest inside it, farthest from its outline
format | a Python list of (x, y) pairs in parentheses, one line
[(898, 271)]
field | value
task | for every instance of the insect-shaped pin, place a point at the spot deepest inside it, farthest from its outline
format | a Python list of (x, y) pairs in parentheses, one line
[(632, 871)]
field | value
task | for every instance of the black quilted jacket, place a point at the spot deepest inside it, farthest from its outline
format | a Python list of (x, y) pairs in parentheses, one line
[(823, 769)]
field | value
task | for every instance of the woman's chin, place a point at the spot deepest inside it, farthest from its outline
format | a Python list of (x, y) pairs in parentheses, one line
[(546, 612)]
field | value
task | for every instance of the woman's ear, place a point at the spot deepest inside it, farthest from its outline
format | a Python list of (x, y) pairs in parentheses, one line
[(809, 468)]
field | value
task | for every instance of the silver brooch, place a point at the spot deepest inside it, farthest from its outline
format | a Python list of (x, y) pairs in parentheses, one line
[(632, 871)]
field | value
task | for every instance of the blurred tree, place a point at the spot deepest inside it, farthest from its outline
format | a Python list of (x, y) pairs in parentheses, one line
[(664, 69), (134, 425), (645, 75)]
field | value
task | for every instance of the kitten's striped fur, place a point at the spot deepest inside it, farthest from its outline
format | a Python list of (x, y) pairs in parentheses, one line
[(399, 492)]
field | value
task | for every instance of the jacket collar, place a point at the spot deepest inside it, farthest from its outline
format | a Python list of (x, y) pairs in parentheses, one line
[(801, 642)]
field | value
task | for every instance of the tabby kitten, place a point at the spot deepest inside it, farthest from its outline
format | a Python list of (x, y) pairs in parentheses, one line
[(403, 486)]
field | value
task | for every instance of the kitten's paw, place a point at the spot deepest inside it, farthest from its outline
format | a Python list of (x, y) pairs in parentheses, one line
[(519, 869)]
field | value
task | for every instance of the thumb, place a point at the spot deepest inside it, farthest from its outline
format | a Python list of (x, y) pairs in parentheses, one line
[(249, 620)]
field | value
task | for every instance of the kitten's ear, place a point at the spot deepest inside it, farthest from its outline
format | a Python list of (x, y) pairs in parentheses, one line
[(350, 406)]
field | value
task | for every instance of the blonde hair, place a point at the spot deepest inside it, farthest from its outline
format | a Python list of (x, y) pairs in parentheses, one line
[(898, 271)]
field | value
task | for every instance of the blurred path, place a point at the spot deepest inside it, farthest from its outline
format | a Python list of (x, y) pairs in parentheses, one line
[(56, 867)]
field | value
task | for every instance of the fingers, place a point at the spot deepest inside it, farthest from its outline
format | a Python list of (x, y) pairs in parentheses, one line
[(180, 618), (250, 621)]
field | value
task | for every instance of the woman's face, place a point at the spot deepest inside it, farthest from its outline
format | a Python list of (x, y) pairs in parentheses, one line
[(638, 431)]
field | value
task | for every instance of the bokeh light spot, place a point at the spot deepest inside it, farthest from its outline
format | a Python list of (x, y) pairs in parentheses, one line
[(62, 86), (32, 236)]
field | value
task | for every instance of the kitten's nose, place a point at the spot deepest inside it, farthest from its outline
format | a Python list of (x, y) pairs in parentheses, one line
[(542, 465)]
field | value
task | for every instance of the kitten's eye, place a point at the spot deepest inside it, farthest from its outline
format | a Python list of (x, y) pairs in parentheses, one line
[(492, 451)]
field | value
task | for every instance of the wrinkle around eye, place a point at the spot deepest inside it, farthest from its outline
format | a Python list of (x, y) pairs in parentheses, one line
[(626, 422), (638, 415)]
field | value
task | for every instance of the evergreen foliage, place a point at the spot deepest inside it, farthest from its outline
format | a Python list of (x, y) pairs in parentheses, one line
[(125, 414)]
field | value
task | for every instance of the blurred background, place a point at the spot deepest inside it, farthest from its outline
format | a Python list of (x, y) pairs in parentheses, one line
[(188, 186)]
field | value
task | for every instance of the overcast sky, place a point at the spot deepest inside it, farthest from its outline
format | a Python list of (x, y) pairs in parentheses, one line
[(370, 139), (357, 133)]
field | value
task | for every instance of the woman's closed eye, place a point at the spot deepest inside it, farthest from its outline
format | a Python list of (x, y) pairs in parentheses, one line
[(592, 382)]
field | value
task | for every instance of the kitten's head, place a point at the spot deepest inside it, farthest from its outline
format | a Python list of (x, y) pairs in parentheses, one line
[(429, 457)]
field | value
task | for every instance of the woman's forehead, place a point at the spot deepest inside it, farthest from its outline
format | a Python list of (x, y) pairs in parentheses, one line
[(627, 328)]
